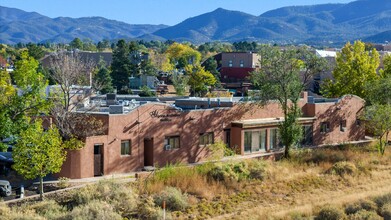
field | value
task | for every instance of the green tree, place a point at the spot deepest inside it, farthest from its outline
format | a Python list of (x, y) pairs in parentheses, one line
[(146, 92), (76, 43), (377, 113), (120, 67), (283, 76), (88, 45), (386, 71), (354, 68), (102, 79), (180, 82), (199, 79), (378, 120), (103, 45), (35, 51), (211, 65), (30, 100), (38, 153)]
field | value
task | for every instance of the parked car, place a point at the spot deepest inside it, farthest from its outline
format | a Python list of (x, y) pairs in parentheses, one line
[(5, 188)]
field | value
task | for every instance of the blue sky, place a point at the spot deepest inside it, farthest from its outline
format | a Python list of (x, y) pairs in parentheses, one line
[(168, 12)]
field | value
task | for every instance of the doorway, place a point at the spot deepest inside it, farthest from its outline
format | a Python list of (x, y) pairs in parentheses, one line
[(148, 152), (98, 159)]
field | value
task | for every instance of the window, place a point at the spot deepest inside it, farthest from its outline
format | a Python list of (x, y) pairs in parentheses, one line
[(125, 147), (241, 63), (228, 137), (358, 122), (342, 125), (172, 143), (98, 149), (325, 127), (206, 138), (230, 63), (254, 141), (274, 139)]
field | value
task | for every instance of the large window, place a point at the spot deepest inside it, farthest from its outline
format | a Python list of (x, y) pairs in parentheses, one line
[(274, 139), (254, 141), (206, 138), (172, 142), (125, 147)]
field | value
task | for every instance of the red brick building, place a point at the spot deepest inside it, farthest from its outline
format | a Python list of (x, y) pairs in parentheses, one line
[(236, 66), (154, 134)]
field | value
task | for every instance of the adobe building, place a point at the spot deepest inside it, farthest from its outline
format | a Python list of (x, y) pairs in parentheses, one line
[(156, 134), (235, 69)]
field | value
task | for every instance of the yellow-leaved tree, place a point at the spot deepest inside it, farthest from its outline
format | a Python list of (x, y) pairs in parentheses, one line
[(354, 68)]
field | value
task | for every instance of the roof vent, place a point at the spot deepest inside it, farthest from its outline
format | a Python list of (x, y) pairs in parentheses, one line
[(116, 109)]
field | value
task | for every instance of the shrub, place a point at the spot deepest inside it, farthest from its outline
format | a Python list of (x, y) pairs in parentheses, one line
[(175, 199), (343, 168), (223, 172), (121, 197), (146, 92), (219, 150), (383, 200), (365, 215), (257, 169), (49, 209), (94, 210), (326, 155), (330, 213), (386, 211), (146, 209), (367, 205), (63, 182)]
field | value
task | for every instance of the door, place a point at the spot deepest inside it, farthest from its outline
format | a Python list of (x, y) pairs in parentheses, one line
[(98, 159), (148, 152)]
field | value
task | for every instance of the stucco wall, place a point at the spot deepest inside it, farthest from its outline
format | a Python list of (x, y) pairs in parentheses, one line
[(139, 125)]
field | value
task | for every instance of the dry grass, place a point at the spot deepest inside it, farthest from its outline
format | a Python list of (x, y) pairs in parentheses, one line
[(188, 180), (288, 189), (297, 187)]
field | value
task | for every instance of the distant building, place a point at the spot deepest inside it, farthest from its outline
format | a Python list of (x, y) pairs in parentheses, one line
[(236, 66), (84, 55)]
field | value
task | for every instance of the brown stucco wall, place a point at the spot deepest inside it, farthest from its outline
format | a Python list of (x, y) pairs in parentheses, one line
[(139, 125), (347, 109)]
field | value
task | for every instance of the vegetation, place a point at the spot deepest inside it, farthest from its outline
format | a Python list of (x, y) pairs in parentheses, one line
[(237, 189), (38, 153), (120, 66), (355, 67), (281, 79), (102, 79), (17, 107)]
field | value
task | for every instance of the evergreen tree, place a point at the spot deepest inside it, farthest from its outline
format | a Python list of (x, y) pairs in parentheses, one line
[(76, 43), (120, 66), (102, 79)]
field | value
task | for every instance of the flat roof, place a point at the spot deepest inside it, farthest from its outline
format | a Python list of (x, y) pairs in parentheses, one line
[(263, 122)]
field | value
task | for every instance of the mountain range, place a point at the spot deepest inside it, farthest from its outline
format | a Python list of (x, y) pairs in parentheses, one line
[(317, 24)]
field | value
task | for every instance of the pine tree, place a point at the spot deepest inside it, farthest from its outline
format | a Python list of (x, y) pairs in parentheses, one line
[(121, 66)]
